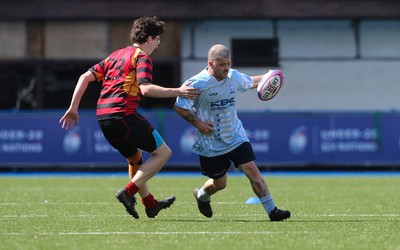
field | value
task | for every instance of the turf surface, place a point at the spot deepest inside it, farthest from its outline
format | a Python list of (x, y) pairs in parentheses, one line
[(82, 213)]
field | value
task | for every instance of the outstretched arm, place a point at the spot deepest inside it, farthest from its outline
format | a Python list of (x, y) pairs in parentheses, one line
[(71, 115), (257, 80), (156, 91)]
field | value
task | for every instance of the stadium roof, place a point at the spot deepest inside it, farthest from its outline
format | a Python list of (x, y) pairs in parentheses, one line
[(196, 9)]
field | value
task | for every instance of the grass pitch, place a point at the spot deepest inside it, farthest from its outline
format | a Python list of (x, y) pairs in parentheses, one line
[(82, 213)]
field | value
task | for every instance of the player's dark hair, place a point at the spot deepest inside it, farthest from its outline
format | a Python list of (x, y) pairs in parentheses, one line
[(144, 27)]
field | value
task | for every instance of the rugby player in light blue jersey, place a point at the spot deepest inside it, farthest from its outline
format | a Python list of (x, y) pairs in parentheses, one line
[(220, 137)]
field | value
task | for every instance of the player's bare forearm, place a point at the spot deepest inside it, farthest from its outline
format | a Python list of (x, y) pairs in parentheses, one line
[(187, 115), (204, 127), (155, 91)]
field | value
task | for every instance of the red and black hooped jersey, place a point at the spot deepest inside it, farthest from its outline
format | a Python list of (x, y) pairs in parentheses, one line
[(121, 73)]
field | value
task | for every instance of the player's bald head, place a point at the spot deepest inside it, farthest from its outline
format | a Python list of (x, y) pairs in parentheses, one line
[(218, 51)]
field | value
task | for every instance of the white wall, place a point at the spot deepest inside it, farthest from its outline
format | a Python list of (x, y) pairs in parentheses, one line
[(319, 60), (77, 40), (316, 39), (12, 40), (380, 39)]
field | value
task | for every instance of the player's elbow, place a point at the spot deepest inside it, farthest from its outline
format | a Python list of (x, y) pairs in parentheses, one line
[(179, 110), (145, 89), (182, 112), (176, 109)]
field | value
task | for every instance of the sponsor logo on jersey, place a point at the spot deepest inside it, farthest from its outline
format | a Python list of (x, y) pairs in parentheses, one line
[(222, 104)]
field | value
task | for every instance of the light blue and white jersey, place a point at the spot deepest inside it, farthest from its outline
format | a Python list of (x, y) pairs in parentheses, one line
[(217, 104)]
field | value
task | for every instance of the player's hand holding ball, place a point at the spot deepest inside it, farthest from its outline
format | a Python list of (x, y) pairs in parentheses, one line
[(270, 84)]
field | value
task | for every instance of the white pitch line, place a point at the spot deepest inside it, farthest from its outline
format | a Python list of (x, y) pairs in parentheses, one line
[(140, 233), (262, 215), (162, 233), (48, 203), (25, 216), (350, 215)]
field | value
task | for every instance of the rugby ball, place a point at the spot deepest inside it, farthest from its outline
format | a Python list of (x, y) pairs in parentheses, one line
[(270, 84)]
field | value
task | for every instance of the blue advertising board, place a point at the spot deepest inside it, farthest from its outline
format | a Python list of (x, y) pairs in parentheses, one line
[(304, 139), (291, 139), (37, 139)]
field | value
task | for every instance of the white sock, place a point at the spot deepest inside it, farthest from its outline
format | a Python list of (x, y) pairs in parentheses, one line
[(268, 203), (202, 195)]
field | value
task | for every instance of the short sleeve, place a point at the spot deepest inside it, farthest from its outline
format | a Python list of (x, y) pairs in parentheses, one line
[(98, 70), (244, 82), (185, 103)]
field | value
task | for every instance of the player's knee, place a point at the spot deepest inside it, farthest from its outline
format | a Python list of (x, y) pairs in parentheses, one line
[(221, 183), (168, 152), (221, 186), (164, 152)]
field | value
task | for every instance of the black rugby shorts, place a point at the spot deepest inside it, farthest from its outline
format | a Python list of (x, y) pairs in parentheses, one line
[(217, 166), (130, 133)]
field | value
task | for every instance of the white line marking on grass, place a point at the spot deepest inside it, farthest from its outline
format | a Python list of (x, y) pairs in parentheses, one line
[(48, 203), (24, 216), (351, 215), (57, 203), (162, 233), (142, 233), (261, 215)]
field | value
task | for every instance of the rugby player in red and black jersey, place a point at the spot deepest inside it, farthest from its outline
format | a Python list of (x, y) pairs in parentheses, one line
[(126, 74)]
